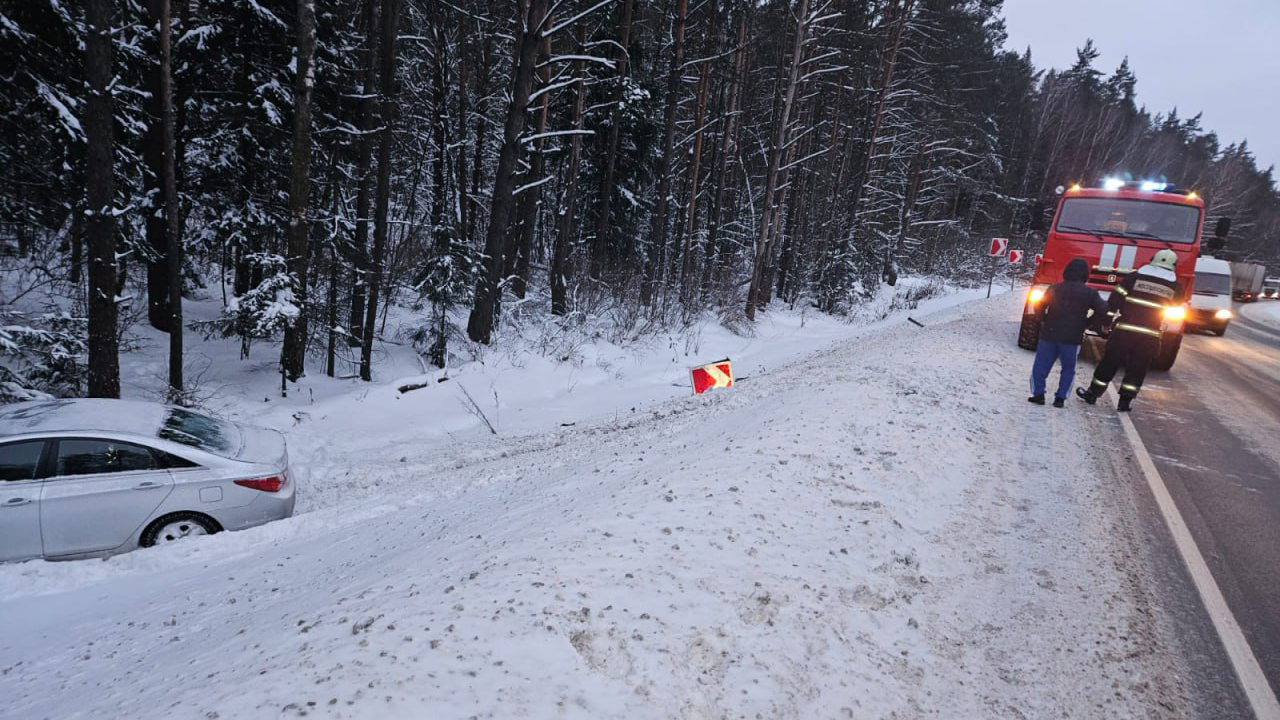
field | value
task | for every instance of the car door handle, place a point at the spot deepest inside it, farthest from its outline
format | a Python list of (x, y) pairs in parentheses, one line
[(147, 485), (15, 502)]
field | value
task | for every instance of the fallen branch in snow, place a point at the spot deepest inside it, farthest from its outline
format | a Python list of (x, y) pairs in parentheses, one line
[(915, 322), (409, 387), (474, 409)]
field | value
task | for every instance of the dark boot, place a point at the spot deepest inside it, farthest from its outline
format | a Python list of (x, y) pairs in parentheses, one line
[(1059, 402), (1086, 395), (1123, 405), (1037, 399)]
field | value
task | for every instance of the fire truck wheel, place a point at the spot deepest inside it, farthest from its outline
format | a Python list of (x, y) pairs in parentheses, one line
[(1169, 347), (1029, 332)]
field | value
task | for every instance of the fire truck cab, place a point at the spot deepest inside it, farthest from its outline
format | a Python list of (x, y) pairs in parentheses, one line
[(1118, 228)]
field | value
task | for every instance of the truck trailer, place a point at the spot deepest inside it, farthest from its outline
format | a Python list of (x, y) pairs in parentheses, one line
[(1246, 281)]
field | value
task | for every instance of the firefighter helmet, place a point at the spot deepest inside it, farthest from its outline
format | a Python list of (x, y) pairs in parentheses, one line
[(1166, 259)]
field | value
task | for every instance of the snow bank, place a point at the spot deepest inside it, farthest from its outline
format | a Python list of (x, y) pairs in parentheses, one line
[(1263, 311), (352, 440)]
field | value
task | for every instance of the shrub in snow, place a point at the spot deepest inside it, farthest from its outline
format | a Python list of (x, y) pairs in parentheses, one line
[(41, 355), (445, 280), (264, 311)]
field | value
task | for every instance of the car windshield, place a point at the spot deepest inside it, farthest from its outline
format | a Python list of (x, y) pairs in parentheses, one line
[(199, 431), (1213, 283), (1141, 219)]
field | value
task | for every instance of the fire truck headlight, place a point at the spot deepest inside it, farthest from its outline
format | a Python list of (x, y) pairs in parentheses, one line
[(1222, 314), (1176, 312), (1035, 295)]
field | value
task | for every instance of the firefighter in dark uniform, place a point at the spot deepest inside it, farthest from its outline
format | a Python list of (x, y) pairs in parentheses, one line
[(1140, 301)]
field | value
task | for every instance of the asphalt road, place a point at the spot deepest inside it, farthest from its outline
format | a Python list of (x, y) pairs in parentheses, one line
[(1212, 425)]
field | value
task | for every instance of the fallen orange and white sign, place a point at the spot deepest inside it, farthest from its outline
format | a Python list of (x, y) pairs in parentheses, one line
[(718, 374)]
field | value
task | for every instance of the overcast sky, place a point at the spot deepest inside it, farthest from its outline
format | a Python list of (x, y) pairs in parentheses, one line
[(1217, 57)]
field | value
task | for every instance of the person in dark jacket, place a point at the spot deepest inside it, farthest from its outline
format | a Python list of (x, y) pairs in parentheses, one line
[(1140, 300), (1066, 311)]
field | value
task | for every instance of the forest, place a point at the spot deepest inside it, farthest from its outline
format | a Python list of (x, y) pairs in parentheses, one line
[(313, 164)]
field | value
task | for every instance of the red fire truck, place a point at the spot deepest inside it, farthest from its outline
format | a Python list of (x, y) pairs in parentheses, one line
[(1117, 228)]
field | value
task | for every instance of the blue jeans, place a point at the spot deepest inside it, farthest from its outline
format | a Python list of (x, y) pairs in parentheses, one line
[(1046, 353)]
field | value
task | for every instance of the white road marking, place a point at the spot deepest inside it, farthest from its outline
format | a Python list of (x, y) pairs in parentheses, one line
[(1256, 688)]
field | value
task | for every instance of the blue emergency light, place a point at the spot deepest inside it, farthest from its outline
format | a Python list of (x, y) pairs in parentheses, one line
[(1114, 183)]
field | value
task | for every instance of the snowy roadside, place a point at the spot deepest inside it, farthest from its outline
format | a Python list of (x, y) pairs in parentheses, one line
[(1263, 311), (363, 450), (347, 438), (883, 530)]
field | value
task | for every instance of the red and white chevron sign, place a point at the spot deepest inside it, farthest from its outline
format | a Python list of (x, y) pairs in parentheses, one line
[(998, 246), (718, 374), (1015, 257)]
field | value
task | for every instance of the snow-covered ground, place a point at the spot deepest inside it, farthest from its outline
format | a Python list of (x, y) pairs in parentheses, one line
[(882, 528), (1263, 311), (534, 381)]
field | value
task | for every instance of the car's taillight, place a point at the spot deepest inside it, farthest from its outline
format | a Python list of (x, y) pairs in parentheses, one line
[(269, 484)]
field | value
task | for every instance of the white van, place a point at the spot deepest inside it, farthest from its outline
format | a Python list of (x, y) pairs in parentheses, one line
[(1211, 296)]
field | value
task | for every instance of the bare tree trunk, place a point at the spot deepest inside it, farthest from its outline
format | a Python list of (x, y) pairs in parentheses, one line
[(521, 252), (915, 174), (172, 213), (568, 206), (244, 244), (776, 152), (657, 250), (440, 166), (695, 166), (899, 15), (77, 250), (293, 354), (153, 154), (482, 138), (602, 251), (480, 323), (462, 209), (335, 263), (387, 80), (364, 195), (99, 116), (726, 152)]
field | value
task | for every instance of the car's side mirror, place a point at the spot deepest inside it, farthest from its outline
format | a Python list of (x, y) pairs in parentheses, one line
[(1219, 239)]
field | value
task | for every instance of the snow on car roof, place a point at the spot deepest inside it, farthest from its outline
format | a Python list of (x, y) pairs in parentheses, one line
[(125, 416)]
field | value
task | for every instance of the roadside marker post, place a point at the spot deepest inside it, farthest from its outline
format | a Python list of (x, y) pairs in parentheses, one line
[(711, 376), (1015, 258), (996, 251)]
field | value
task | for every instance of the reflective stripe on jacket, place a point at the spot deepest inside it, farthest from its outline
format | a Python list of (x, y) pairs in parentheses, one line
[(1142, 297)]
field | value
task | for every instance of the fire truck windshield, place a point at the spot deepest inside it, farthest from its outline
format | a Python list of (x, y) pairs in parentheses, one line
[(1120, 217)]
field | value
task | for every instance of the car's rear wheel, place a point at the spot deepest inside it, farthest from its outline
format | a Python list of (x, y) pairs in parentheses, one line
[(176, 526)]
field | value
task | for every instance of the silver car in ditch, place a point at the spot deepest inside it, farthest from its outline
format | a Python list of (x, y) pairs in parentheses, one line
[(85, 478)]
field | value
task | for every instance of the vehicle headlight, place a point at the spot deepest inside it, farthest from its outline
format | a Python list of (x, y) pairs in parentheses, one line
[(1175, 312), (1222, 314), (1036, 294)]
